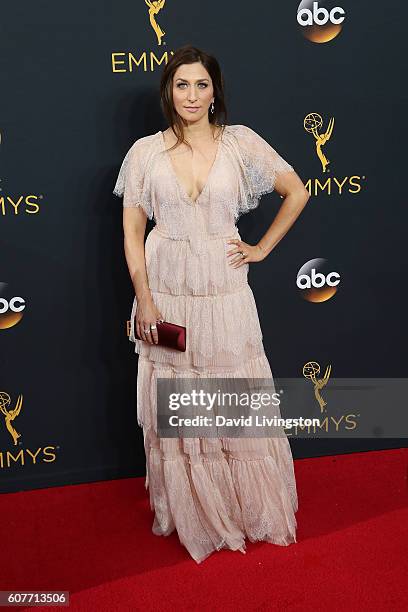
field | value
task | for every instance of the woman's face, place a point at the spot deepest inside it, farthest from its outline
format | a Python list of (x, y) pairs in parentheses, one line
[(192, 92)]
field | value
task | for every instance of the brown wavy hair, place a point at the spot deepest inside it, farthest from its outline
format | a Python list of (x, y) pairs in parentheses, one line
[(189, 55)]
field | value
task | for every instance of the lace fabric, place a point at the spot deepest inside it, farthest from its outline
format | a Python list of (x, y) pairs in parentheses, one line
[(246, 168), (214, 492)]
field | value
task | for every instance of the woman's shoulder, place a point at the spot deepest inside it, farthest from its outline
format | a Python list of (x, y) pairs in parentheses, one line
[(142, 149), (246, 139), (145, 142), (240, 128), (242, 131), (255, 149)]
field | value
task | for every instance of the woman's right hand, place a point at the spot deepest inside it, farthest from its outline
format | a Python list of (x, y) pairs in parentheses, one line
[(147, 314)]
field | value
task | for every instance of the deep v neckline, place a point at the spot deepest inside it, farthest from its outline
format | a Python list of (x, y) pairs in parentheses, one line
[(175, 177)]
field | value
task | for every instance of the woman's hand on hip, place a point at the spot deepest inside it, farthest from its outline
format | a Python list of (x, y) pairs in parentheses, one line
[(251, 253), (147, 314)]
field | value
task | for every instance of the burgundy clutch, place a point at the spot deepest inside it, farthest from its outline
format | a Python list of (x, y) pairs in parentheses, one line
[(169, 334)]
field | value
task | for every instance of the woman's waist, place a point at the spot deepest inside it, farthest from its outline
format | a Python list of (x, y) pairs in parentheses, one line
[(228, 232), (193, 265)]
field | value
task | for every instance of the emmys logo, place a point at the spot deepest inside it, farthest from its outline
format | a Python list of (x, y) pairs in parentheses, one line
[(10, 415), (154, 8), (11, 308), (127, 61), (313, 124), (22, 203), (311, 370), (22, 456), (13, 205), (337, 422), (318, 23), (316, 281)]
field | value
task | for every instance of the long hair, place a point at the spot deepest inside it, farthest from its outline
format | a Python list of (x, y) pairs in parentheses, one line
[(189, 55)]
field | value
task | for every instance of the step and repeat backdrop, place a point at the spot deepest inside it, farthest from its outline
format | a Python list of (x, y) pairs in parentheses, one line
[(322, 82)]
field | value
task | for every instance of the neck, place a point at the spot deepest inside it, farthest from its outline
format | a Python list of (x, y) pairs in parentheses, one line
[(199, 131)]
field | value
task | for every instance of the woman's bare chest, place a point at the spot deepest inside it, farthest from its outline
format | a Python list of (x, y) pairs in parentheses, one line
[(192, 168)]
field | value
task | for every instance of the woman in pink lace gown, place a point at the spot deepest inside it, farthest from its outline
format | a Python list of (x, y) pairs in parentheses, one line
[(214, 491)]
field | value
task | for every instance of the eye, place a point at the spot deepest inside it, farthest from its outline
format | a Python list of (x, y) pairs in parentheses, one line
[(204, 84)]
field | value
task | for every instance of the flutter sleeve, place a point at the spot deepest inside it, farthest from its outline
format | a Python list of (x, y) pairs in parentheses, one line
[(260, 164), (133, 182)]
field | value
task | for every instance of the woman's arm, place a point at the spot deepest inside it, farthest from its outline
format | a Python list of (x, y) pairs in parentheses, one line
[(289, 185), (265, 171), (134, 228)]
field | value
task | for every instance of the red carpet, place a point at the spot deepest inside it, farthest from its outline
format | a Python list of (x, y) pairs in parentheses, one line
[(95, 540)]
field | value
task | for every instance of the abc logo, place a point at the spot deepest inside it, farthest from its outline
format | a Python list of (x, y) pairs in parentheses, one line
[(11, 307), (318, 23), (316, 281)]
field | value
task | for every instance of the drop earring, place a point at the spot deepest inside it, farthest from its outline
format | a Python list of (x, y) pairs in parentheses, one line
[(212, 107)]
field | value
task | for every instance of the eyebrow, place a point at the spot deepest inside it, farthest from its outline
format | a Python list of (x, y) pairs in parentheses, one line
[(197, 80)]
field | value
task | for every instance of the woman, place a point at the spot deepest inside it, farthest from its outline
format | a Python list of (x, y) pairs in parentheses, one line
[(193, 271)]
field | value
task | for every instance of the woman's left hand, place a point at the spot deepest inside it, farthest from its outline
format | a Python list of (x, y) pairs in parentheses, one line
[(252, 253)]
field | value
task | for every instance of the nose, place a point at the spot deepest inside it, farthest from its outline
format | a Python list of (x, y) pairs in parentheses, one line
[(192, 96)]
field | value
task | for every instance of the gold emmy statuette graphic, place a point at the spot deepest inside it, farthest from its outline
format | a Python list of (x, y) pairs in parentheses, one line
[(311, 369), (155, 7), (312, 123), (10, 415)]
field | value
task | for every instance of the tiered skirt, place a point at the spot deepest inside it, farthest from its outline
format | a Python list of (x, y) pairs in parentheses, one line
[(214, 492)]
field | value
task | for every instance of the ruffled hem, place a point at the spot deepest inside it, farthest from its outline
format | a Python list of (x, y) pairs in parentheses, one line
[(149, 372), (215, 492), (221, 330), (215, 498)]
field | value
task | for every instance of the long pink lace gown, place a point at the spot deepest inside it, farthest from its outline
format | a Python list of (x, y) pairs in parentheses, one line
[(214, 492)]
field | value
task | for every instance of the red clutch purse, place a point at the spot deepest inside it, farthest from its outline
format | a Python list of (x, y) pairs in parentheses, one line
[(169, 334)]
